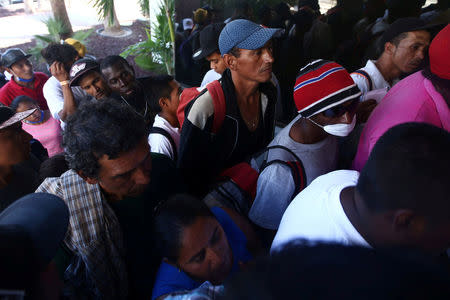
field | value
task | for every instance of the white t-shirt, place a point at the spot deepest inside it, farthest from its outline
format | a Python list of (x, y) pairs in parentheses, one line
[(378, 81), (55, 99), (317, 215), (159, 143), (275, 184), (210, 76)]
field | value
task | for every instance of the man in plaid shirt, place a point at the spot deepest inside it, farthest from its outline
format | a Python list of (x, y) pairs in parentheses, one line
[(109, 241)]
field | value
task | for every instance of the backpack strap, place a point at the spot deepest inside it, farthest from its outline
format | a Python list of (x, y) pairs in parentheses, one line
[(365, 75), (162, 131), (216, 91), (296, 167), (266, 151), (244, 176)]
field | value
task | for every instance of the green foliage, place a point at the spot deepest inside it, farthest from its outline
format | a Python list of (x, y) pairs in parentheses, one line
[(105, 8), (82, 35), (144, 4), (55, 28), (156, 53)]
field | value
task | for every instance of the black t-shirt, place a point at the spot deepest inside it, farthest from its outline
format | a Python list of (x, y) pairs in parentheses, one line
[(24, 181), (139, 101), (136, 216), (248, 141)]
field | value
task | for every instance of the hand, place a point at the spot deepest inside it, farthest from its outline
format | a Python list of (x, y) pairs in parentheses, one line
[(364, 110), (57, 69)]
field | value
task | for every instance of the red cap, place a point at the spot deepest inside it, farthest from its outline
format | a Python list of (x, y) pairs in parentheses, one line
[(321, 85), (439, 54)]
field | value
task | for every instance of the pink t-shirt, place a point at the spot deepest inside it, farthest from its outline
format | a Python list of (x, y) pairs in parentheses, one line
[(414, 99), (48, 133)]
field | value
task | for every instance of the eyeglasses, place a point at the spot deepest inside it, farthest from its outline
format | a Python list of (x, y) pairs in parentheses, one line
[(339, 110)]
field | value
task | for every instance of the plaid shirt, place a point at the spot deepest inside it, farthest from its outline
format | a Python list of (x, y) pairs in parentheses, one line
[(206, 291), (94, 237)]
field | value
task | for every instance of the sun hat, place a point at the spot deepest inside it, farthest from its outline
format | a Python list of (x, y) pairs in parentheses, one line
[(8, 117)]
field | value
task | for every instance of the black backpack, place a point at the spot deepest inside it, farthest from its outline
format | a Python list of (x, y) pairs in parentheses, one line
[(162, 131)]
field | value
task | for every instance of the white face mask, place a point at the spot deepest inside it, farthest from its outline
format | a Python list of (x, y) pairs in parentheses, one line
[(340, 129)]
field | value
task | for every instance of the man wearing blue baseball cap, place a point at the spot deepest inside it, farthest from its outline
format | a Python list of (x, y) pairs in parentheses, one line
[(246, 125)]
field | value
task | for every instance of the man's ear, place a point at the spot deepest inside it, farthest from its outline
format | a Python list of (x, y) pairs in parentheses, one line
[(10, 71), (406, 221), (131, 69), (163, 102), (230, 61), (89, 180), (389, 48), (319, 118)]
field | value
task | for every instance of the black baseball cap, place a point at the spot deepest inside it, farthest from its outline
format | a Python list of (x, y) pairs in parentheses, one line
[(81, 67), (209, 40), (13, 55), (403, 25)]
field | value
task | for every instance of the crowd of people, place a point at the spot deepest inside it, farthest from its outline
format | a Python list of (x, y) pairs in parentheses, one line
[(293, 154)]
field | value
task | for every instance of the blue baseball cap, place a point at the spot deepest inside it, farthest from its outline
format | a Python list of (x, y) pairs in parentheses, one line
[(245, 34)]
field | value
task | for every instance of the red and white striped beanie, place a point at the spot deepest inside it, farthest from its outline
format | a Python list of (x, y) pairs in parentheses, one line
[(321, 85)]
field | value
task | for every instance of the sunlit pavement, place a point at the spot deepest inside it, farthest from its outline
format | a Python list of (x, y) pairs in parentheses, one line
[(21, 28)]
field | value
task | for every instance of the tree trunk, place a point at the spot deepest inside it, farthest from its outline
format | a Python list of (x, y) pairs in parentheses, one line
[(114, 26), (29, 7), (60, 13)]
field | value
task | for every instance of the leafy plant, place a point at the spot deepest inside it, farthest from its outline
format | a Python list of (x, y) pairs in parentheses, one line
[(82, 35), (105, 9), (55, 28), (156, 53), (144, 4)]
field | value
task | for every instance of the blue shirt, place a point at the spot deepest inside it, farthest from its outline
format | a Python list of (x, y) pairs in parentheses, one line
[(169, 279)]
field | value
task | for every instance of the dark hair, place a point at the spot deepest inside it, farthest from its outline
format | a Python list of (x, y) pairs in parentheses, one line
[(441, 85), (21, 99), (396, 40), (98, 128), (20, 264), (64, 53), (325, 271), (158, 88), (281, 8), (171, 217), (314, 4), (113, 60), (408, 169), (53, 167), (443, 4), (235, 51)]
